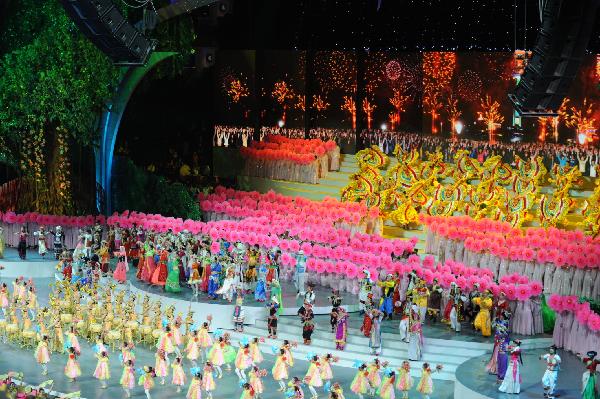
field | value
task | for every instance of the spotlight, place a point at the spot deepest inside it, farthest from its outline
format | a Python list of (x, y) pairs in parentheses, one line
[(582, 138), (458, 126), (281, 123), (383, 127)]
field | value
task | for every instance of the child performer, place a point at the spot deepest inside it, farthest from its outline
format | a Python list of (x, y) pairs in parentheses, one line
[(239, 315), (326, 372), (287, 347), (127, 380), (195, 389), (178, 374), (147, 380), (195, 278), (161, 365), (255, 380), (205, 339), (72, 369), (374, 376), (313, 376), (551, 375), (72, 340), (216, 358), (386, 390), (127, 352), (243, 360), (426, 383), (42, 354), (405, 381), (360, 383), (257, 356), (192, 348), (280, 370), (337, 392), (208, 382), (248, 391), (102, 371)]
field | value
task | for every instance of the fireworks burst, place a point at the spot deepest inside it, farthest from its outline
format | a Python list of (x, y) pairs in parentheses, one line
[(582, 120), (469, 86), (409, 78), (375, 73), (393, 70), (336, 70)]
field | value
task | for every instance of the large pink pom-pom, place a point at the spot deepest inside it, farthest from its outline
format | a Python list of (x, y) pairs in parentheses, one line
[(536, 288), (523, 292), (555, 303), (215, 248)]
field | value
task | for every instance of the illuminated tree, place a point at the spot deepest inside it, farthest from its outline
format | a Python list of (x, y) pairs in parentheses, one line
[(453, 112), (368, 108), (490, 115), (320, 104), (562, 117), (236, 90), (283, 94), (349, 106), (398, 101), (543, 123), (438, 69), (300, 102)]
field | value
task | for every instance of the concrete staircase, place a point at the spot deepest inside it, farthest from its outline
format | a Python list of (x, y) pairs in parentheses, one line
[(449, 353)]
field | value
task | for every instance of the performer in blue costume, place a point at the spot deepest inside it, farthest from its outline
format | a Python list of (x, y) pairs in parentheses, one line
[(260, 292), (214, 280)]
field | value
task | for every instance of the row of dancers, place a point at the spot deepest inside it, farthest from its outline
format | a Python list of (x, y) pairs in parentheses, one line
[(374, 378)]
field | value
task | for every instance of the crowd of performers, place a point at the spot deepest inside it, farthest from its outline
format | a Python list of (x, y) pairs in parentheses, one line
[(236, 272), (188, 355)]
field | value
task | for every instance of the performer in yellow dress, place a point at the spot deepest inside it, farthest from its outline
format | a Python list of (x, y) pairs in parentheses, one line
[(102, 371), (72, 369), (42, 354), (280, 370), (483, 321)]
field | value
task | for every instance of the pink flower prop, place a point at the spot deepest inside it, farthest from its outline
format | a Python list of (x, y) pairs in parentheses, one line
[(215, 247), (523, 292), (593, 322), (511, 292), (536, 288), (555, 302), (428, 261)]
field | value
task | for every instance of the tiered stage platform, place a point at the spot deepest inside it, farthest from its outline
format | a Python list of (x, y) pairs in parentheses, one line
[(222, 311)]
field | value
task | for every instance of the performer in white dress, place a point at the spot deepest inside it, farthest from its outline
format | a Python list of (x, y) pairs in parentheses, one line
[(512, 379), (550, 377)]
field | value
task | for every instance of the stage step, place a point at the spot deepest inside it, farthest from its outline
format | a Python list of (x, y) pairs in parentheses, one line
[(449, 353), (346, 357)]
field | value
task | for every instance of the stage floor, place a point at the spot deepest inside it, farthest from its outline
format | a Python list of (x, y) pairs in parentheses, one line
[(12, 255), (291, 302), (16, 359), (32, 266), (471, 376)]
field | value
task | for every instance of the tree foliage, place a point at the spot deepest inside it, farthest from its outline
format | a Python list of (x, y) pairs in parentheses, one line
[(138, 190), (51, 76)]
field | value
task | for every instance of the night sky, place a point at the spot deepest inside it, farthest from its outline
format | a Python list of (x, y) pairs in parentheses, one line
[(411, 25)]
